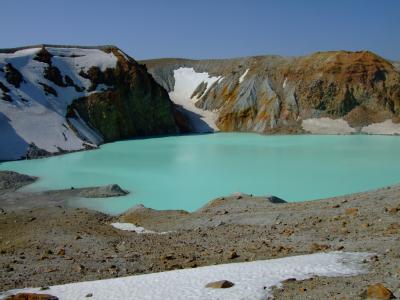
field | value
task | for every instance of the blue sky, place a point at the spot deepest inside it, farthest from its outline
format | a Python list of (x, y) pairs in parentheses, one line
[(206, 29)]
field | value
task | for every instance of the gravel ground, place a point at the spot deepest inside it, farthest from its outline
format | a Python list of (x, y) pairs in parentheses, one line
[(55, 244)]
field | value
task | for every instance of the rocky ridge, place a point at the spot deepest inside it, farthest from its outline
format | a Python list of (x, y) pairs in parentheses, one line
[(325, 92), (57, 99)]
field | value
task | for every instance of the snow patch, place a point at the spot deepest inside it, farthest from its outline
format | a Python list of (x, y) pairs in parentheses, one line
[(186, 81), (284, 83), (243, 75), (134, 228), (253, 280), (37, 124), (83, 58), (327, 126), (386, 128)]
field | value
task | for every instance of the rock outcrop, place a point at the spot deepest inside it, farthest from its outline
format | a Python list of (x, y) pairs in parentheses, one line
[(377, 291), (69, 98), (11, 181), (31, 296), (135, 104), (326, 92), (112, 190), (222, 284)]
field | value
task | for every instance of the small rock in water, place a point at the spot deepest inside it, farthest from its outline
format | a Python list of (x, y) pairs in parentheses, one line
[(112, 190), (89, 295), (222, 284), (275, 200)]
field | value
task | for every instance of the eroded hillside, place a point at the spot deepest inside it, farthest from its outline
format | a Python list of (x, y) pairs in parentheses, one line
[(326, 92)]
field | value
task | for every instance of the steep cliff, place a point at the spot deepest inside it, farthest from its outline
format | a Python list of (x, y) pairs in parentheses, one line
[(55, 99), (326, 92), (134, 105)]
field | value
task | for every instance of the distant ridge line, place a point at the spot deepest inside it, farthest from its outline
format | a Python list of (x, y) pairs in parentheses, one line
[(12, 50)]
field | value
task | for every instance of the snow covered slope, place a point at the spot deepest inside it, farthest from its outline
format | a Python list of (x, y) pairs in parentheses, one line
[(38, 85), (33, 115), (186, 93), (252, 280)]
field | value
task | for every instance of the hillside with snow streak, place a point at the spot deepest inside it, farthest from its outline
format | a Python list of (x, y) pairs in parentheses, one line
[(334, 92), (55, 99)]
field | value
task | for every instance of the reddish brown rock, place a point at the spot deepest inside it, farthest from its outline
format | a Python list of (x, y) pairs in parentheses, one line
[(232, 255), (352, 211), (393, 228), (378, 292), (31, 296), (222, 284), (393, 210), (319, 247), (61, 252)]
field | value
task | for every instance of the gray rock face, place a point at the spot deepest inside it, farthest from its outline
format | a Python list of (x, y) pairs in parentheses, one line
[(112, 190), (35, 152), (275, 200), (11, 181)]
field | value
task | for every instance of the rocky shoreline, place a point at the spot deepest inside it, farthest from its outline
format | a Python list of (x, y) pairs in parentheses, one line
[(47, 242), (13, 200)]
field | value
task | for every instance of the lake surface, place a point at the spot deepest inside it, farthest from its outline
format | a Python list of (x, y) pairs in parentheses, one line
[(185, 172)]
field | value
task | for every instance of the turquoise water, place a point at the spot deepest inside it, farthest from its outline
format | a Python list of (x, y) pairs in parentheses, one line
[(184, 172)]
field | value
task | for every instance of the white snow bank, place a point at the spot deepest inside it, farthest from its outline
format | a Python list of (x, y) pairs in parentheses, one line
[(327, 126), (387, 127), (134, 228), (35, 124), (186, 81), (284, 83), (243, 75), (253, 280), (84, 58)]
